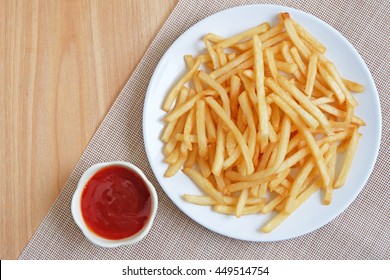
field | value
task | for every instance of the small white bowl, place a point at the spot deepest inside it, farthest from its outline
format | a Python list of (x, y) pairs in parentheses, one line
[(78, 218)]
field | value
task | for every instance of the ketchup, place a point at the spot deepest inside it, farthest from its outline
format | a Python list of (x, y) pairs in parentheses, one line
[(116, 203)]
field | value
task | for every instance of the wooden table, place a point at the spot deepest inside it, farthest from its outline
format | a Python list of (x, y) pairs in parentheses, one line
[(62, 65)]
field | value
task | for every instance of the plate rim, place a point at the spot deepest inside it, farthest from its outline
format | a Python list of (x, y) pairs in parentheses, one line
[(378, 120)]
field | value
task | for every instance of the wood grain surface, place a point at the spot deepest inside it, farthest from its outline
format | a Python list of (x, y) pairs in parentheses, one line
[(62, 65)]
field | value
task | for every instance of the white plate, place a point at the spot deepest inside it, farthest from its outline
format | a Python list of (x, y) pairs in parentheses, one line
[(313, 214)]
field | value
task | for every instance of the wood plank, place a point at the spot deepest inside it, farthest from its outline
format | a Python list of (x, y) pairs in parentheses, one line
[(62, 65)]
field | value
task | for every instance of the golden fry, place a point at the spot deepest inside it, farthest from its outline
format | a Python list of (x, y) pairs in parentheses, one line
[(201, 128), (219, 152), (260, 90), (311, 74), (348, 159)]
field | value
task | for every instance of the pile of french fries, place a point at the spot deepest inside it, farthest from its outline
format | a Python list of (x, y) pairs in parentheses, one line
[(259, 120)]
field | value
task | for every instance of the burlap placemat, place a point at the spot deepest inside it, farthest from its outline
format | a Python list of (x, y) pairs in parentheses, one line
[(361, 232)]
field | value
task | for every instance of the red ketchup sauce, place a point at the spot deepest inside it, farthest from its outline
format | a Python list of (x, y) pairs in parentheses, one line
[(116, 203)]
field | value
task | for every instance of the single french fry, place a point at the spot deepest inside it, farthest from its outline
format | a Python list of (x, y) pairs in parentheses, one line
[(219, 152), (200, 200), (233, 200), (249, 86), (323, 100), (241, 202), (353, 86), (173, 156), (239, 186), (260, 90), (189, 124), (175, 167), (283, 143), (247, 210), (332, 153), (272, 204), (311, 74), (286, 67), (336, 76), (342, 178), (213, 38), (201, 128), (244, 103), (209, 201)]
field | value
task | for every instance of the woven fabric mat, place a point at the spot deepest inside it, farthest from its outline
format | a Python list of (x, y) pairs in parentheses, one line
[(360, 232)]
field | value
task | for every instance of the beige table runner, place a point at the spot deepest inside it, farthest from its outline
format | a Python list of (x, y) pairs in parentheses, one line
[(361, 232)]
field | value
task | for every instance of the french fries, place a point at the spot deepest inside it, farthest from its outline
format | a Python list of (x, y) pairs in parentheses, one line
[(259, 121)]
